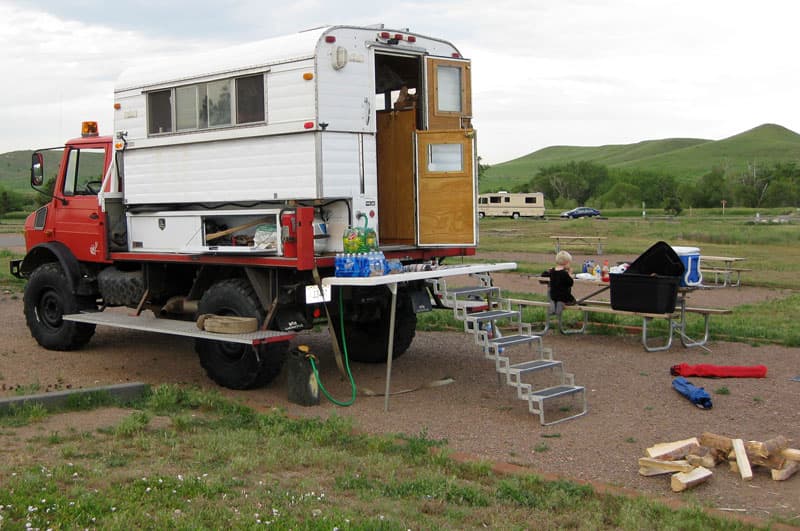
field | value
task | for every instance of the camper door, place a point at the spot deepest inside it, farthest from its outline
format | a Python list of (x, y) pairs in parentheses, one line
[(445, 157), (445, 188), (449, 94)]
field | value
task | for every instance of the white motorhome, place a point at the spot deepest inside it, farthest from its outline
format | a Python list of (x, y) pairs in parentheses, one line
[(504, 204)]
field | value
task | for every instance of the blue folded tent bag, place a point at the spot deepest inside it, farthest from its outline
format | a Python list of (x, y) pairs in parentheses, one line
[(696, 395)]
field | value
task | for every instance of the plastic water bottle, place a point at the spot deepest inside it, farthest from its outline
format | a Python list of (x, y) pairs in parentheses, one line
[(338, 265)]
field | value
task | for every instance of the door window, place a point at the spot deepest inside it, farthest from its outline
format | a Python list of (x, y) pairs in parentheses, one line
[(445, 157), (84, 172), (448, 90)]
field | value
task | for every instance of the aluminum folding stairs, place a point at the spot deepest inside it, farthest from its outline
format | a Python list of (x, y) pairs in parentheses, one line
[(539, 379)]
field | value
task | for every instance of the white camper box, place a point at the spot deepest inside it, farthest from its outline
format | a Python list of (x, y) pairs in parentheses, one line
[(305, 119)]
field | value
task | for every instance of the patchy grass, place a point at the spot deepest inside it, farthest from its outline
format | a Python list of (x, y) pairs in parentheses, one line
[(217, 464)]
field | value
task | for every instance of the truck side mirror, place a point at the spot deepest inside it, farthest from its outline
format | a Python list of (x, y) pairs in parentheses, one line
[(37, 169)]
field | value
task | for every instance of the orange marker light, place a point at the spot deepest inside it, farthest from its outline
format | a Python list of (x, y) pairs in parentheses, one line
[(89, 129), (117, 106), (308, 76)]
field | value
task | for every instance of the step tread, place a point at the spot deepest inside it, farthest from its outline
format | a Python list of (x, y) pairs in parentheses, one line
[(492, 314), (534, 365), (512, 340), (558, 390), (472, 290)]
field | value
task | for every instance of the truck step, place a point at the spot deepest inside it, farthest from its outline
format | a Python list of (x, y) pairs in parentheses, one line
[(533, 366), (471, 291), (149, 323), (509, 341), (492, 315), (557, 404)]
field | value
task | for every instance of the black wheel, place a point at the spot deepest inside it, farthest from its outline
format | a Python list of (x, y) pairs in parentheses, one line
[(367, 342), (234, 365), (481, 215), (47, 299), (515, 215)]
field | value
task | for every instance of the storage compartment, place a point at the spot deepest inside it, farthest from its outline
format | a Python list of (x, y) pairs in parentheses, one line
[(650, 284), (224, 231)]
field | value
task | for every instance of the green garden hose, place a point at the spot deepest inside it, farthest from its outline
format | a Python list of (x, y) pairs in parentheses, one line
[(346, 364)]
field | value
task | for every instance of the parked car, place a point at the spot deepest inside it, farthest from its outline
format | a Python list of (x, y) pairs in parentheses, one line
[(581, 212)]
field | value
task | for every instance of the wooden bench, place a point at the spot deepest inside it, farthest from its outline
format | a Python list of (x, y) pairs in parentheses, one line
[(584, 240), (676, 320)]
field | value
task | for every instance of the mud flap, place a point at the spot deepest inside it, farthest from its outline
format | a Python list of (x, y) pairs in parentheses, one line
[(420, 300)]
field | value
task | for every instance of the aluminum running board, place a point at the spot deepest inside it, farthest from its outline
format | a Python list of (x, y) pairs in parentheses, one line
[(148, 323)]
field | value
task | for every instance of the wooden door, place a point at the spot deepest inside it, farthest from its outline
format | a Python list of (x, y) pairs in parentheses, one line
[(395, 150), (449, 94), (446, 188)]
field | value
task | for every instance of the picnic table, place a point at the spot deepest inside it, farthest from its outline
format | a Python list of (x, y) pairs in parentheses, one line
[(724, 268), (584, 240), (676, 319)]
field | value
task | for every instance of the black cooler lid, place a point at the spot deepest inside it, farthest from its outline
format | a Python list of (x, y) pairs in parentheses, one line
[(660, 259)]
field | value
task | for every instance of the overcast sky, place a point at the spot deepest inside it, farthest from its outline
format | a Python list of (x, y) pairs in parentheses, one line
[(545, 72)]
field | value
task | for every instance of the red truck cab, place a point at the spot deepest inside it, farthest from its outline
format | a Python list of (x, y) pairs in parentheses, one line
[(74, 216)]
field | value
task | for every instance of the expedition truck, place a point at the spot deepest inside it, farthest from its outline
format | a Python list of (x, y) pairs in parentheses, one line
[(229, 180)]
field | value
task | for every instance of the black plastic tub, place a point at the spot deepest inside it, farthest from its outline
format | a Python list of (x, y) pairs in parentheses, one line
[(644, 293), (650, 284)]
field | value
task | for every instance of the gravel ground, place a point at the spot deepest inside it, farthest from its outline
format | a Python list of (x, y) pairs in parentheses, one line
[(631, 403)]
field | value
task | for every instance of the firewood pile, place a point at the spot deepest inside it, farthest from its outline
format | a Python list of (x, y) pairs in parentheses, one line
[(690, 461)]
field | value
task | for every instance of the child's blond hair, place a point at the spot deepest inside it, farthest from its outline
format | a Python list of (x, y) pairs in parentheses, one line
[(563, 258)]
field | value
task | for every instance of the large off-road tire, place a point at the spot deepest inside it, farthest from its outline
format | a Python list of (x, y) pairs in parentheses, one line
[(47, 299), (234, 365), (121, 288), (367, 342)]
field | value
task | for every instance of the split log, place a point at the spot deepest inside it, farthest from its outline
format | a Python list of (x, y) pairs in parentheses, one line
[(788, 470), (792, 454), (685, 480), (702, 456), (672, 450), (767, 448), (654, 467), (712, 440), (759, 454), (741, 459)]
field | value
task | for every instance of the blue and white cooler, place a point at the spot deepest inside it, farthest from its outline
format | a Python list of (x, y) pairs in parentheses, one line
[(690, 256)]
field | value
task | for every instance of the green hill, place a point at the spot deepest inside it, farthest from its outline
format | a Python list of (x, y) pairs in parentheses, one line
[(15, 169), (685, 158)]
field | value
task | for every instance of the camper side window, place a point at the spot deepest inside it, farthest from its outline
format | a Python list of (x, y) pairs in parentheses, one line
[(159, 110), (250, 99), (207, 105)]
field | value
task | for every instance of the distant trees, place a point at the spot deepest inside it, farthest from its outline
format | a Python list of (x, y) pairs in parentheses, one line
[(578, 183), (758, 186), (11, 201)]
